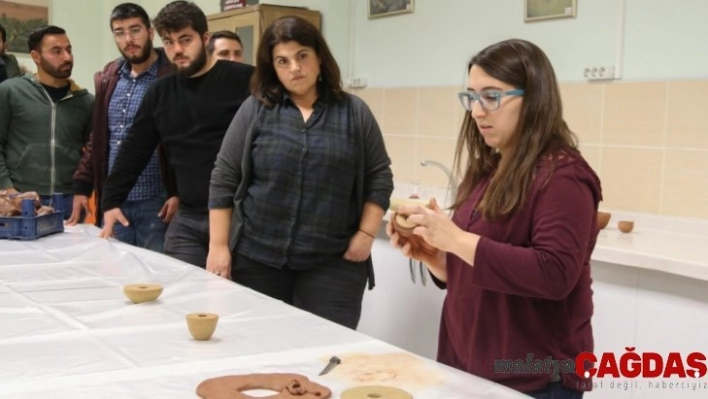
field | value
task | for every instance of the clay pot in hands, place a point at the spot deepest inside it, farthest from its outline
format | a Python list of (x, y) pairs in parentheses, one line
[(405, 229), (202, 325), (603, 218), (402, 226), (139, 293), (625, 226)]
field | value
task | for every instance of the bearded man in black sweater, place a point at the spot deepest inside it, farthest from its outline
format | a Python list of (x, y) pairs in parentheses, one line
[(189, 112)]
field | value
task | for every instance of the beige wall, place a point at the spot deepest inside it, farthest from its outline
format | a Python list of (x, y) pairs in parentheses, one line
[(648, 141)]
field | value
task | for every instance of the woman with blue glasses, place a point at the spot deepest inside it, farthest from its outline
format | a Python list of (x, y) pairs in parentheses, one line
[(515, 255)]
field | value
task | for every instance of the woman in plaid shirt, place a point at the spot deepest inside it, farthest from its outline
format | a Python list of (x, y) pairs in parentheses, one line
[(301, 183)]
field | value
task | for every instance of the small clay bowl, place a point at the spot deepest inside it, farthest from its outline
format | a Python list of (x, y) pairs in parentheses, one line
[(603, 218), (402, 226), (202, 325), (405, 229), (625, 226), (143, 292)]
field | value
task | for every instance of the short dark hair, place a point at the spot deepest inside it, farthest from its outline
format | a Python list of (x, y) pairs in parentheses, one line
[(34, 41), (3, 33), (222, 34), (265, 85), (179, 15), (129, 10)]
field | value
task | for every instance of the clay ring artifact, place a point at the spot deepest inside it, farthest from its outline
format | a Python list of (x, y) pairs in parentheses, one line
[(288, 386)]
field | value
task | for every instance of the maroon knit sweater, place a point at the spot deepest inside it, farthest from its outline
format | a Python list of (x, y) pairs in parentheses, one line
[(528, 295)]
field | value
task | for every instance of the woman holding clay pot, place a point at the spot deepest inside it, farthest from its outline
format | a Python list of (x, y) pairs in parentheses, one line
[(515, 255)]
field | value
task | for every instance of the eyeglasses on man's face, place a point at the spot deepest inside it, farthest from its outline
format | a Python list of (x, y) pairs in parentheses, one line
[(134, 32), (489, 99)]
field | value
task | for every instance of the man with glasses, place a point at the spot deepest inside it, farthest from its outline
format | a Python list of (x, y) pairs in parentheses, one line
[(45, 121), (188, 112), (120, 88)]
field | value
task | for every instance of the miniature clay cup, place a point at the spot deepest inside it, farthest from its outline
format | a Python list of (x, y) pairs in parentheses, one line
[(405, 229), (142, 292), (625, 226), (399, 223), (202, 325), (402, 226), (603, 218)]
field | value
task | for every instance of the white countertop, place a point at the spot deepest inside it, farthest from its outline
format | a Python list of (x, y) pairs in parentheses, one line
[(672, 245), (68, 331)]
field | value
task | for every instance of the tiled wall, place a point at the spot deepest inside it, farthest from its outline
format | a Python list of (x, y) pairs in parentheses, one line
[(648, 141)]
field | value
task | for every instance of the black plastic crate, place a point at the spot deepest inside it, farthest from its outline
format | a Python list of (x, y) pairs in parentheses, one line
[(29, 226)]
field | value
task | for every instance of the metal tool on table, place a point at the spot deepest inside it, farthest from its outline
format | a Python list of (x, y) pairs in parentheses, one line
[(333, 362)]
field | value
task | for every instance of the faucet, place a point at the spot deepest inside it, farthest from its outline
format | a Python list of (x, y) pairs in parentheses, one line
[(451, 184)]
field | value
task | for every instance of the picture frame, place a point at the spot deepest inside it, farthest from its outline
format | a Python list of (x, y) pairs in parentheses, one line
[(20, 18), (541, 10), (385, 8)]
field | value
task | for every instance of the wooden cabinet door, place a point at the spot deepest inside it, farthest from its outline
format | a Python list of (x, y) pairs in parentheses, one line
[(250, 22)]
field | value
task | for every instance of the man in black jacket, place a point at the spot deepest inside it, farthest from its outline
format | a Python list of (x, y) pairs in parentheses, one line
[(120, 87), (188, 112)]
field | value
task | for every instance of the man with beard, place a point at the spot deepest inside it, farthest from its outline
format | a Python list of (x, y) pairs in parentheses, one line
[(45, 121), (120, 88), (188, 112)]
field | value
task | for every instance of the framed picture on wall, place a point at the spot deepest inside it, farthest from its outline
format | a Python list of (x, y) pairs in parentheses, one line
[(539, 10), (20, 18), (384, 8)]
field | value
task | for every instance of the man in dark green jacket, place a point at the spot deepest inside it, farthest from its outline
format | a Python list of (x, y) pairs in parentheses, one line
[(9, 68), (45, 121)]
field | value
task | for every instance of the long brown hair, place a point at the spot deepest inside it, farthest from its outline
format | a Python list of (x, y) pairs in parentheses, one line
[(541, 130), (266, 86)]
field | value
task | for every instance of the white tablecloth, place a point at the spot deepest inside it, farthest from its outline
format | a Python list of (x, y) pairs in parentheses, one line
[(67, 331)]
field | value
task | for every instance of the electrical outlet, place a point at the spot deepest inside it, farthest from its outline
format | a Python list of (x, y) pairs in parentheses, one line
[(603, 72), (356, 83)]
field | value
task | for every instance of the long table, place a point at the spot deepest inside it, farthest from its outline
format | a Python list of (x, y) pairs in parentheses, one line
[(67, 330)]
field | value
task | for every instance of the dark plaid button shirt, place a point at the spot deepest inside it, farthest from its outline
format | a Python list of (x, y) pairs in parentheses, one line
[(301, 205)]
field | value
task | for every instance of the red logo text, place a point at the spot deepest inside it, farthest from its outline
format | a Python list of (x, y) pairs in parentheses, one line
[(633, 364)]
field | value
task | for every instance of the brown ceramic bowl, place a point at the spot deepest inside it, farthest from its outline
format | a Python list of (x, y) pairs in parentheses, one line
[(405, 229), (402, 226), (625, 226), (603, 218)]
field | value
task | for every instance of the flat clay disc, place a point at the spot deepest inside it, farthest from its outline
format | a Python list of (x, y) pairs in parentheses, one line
[(375, 392)]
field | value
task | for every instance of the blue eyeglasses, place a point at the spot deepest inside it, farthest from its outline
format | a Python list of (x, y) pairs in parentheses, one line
[(489, 99)]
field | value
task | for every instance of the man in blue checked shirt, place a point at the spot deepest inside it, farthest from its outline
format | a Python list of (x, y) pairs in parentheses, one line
[(188, 113), (120, 88)]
